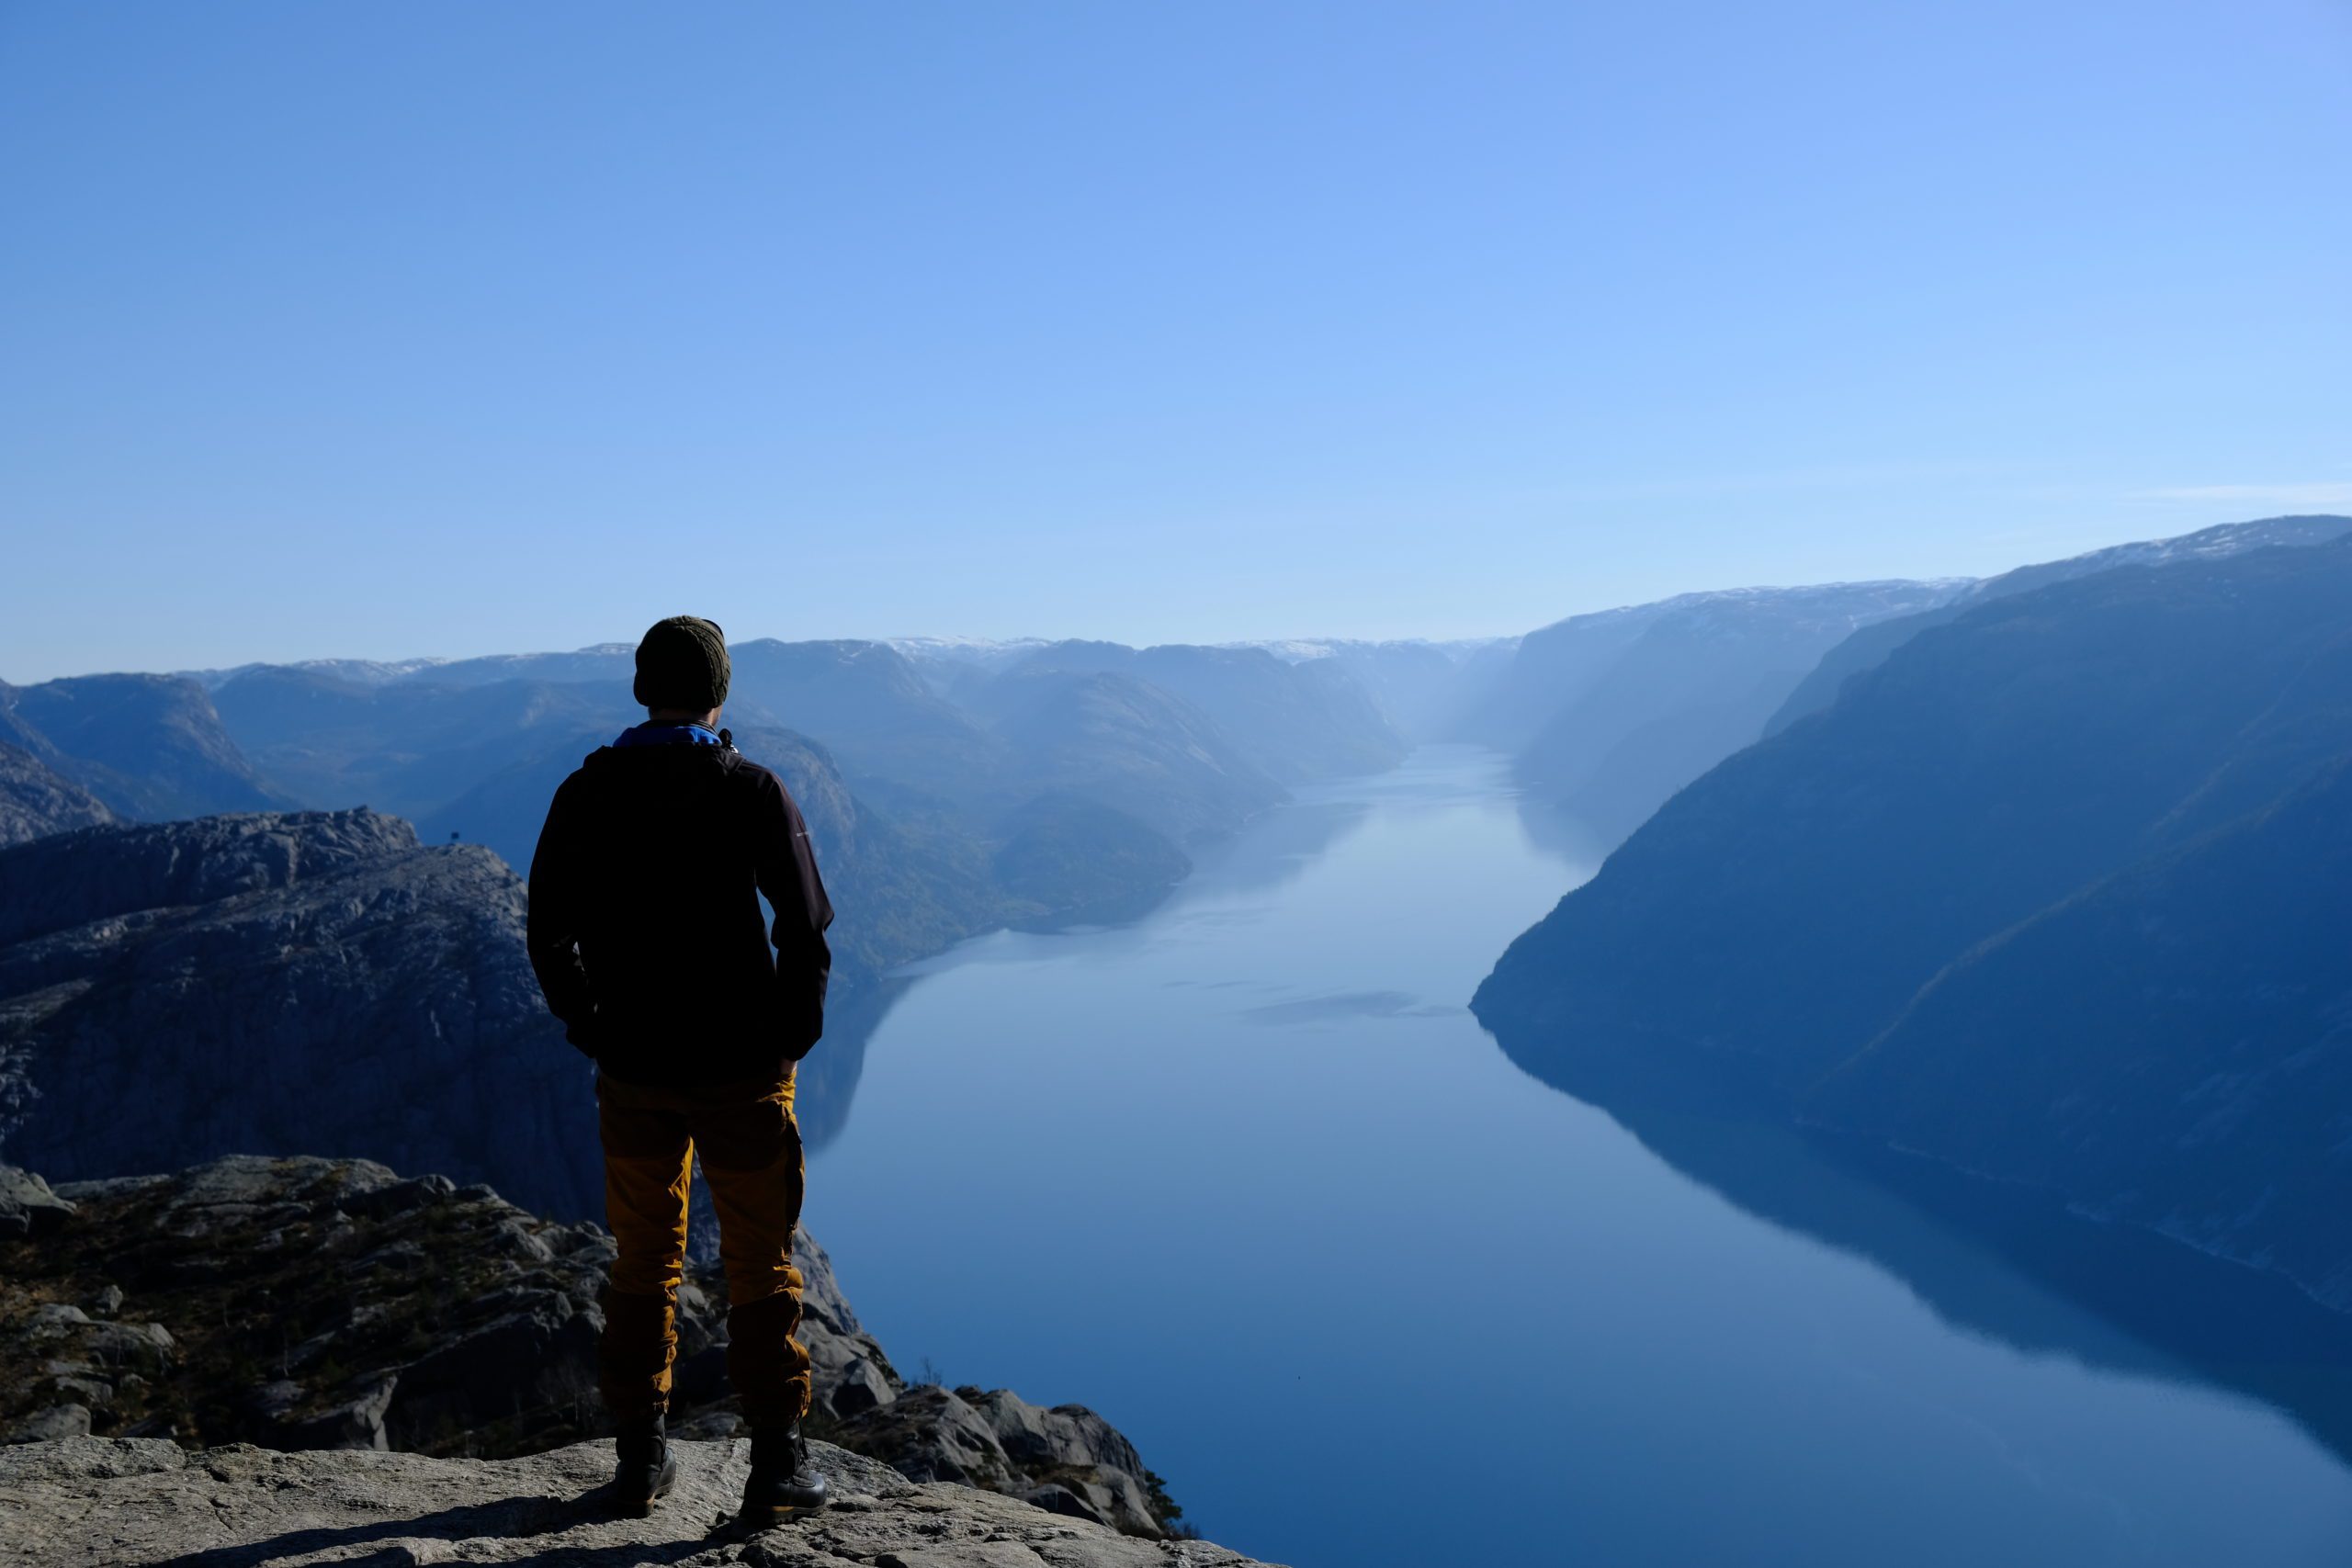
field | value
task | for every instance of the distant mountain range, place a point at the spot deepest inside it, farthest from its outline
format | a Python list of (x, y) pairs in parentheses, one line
[(146, 746), (2052, 888), (323, 979)]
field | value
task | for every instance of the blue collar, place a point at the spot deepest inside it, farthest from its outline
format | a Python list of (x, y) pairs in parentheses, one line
[(667, 734)]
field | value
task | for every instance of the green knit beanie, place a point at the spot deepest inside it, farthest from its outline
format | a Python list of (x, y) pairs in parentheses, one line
[(682, 663)]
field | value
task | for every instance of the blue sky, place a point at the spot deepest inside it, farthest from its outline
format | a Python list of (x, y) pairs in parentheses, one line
[(380, 330)]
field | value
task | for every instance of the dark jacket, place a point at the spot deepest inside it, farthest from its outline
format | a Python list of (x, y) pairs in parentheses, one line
[(645, 924)]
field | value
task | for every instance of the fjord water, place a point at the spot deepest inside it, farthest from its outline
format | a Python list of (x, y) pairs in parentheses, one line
[(1245, 1176)]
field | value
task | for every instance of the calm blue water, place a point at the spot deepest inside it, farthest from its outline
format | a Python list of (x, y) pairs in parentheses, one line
[(1246, 1178)]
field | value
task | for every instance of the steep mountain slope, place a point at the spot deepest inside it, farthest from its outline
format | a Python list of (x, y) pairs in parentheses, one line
[(1550, 669), (2088, 828), (150, 747), (1787, 906), (37, 800), (2171, 1046), (1695, 683), (280, 984), (1870, 646)]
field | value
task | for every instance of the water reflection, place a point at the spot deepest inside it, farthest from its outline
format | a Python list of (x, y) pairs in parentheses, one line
[(826, 1080), (2003, 1262), (1277, 848)]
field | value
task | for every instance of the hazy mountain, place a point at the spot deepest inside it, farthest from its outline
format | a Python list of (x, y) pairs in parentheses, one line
[(903, 892), (603, 661), (37, 800), (1549, 670), (2066, 822), (959, 668), (1295, 722), (1419, 687), (415, 743), (359, 671), (410, 745), (1610, 714), (1061, 855), (938, 657), (148, 745), (452, 743), (1127, 744), (1873, 643), (1044, 792), (871, 707), (960, 810)]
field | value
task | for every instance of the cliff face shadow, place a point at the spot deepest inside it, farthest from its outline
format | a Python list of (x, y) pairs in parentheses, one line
[(2006, 1263)]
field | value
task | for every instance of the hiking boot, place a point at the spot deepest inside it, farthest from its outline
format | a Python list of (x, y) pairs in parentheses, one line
[(783, 1482), (644, 1468)]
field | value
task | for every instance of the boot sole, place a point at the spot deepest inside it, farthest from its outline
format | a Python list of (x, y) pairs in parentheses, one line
[(754, 1521)]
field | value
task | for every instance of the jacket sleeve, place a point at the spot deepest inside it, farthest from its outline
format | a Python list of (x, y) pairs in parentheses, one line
[(552, 925), (787, 874)]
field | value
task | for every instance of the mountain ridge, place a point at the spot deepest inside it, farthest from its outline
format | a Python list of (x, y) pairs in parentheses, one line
[(1959, 803)]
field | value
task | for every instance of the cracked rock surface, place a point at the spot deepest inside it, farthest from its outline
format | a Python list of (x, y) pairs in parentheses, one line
[(84, 1502)]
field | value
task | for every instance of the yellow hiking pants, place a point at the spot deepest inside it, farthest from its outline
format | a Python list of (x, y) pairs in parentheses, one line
[(750, 1154)]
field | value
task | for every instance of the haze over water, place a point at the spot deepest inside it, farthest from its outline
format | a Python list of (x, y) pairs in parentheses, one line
[(1246, 1177)]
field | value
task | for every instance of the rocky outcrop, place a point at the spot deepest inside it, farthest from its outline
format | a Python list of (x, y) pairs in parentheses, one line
[(87, 1502), (36, 800), (278, 984), (308, 1304), (1068, 1459), (27, 1207)]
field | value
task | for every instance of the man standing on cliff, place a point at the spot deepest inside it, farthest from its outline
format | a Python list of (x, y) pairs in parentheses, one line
[(648, 939)]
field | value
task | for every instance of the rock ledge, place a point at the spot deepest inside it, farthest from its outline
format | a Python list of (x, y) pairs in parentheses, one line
[(84, 1502)]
